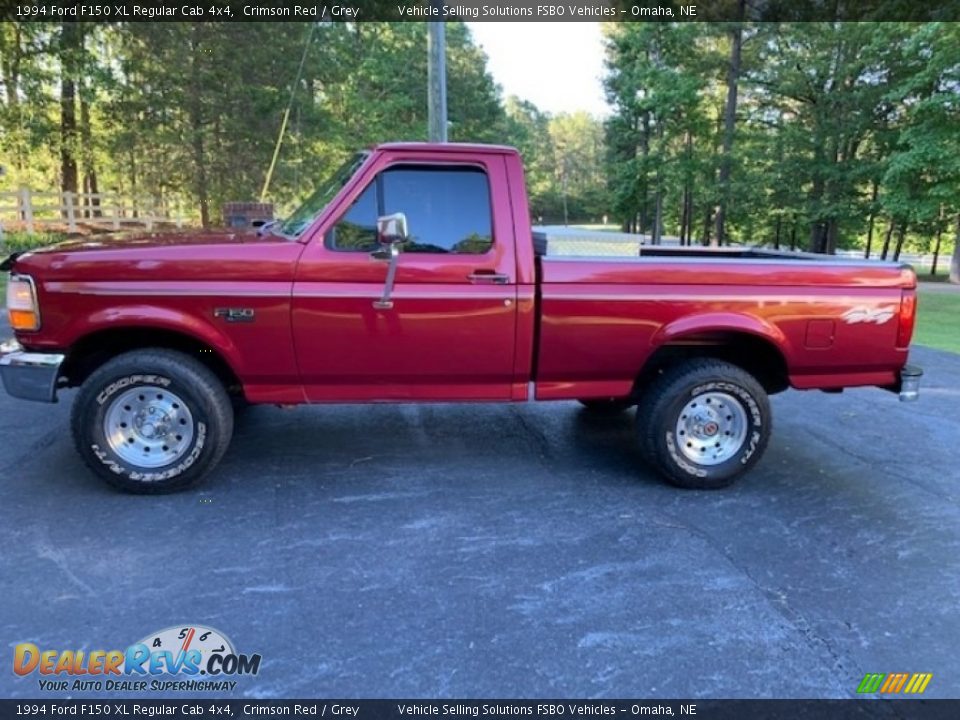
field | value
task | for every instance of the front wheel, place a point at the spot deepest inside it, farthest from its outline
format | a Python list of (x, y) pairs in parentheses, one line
[(152, 421), (704, 423)]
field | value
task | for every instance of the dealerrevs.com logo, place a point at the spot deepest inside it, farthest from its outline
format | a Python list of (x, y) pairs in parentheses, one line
[(201, 658)]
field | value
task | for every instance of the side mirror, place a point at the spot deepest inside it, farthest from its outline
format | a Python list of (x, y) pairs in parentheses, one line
[(392, 229), (391, 233)]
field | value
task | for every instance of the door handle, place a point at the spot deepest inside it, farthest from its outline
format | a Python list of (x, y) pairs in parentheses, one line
[(479, 277)]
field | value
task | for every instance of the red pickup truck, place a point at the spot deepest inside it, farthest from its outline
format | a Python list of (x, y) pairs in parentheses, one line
[(413, 276)]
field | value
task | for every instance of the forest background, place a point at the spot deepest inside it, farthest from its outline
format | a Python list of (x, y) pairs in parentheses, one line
[(814, 136)]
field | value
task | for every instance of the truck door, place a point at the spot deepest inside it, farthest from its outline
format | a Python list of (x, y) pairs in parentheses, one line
[(449, 334)]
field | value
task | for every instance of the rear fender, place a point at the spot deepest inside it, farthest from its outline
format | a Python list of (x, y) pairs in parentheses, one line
[(716, 322)]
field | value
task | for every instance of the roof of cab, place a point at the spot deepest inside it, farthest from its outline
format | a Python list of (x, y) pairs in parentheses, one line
[(448, 147)]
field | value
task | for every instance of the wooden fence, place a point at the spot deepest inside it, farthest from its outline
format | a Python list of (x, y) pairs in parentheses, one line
[(31, 209)]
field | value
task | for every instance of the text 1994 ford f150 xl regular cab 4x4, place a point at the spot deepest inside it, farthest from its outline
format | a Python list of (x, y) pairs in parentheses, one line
[(414, 276)]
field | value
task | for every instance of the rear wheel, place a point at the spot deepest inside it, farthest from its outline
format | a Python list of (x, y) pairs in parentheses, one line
[(704, 423), (607, 406), (152, 421)]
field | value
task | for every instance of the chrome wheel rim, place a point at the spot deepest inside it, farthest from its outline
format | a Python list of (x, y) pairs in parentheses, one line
[(148, 426), (711, 428)]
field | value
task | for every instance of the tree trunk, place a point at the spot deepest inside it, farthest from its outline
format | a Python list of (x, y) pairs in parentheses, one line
[(707, 225), (644, 188), (686, 218), (818, 237), (683, 214), (776, 237), (134, 181), (936, 250), (886, 240), (658, 215), (832, 234), (955, 258), (793, 237), (901, 236), (658, 198), (873, 216), (86, 154), (69, 41), (197, 131), (729, 121), (10, 58)]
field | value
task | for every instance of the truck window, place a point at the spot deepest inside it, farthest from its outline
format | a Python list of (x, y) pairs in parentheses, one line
[(357, 229), (447, 209)]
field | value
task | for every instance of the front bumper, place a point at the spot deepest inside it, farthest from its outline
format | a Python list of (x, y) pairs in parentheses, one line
[(29, 375)]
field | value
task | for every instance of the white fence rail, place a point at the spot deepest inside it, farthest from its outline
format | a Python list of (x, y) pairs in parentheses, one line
[(33, 209)]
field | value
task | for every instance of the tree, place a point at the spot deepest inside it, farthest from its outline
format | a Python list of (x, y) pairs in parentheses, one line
[(528, 129), (577, 154), (955, 258), (655, 93), (730, 119), (923, 174), (26, 70)]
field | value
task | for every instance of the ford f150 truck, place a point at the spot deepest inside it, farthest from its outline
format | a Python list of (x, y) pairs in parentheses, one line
[(414, 276)]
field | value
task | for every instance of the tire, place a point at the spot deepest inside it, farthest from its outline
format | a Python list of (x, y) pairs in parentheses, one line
[(607, 406), (704, 423), (169, 419)]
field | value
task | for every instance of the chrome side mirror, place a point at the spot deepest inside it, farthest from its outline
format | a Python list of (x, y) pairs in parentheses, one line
[(391, 233), (392, 229)]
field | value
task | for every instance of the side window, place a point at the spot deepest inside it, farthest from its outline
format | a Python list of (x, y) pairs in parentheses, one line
[(357, 229), (447, 209)]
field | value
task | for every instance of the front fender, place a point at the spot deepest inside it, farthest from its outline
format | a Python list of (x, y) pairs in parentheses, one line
[(143, 316)]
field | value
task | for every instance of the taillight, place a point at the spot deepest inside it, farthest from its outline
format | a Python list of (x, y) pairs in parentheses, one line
[(22, 307), (908, 315)]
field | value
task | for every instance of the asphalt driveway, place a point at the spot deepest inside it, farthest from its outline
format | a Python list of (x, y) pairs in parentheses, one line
[(508, 551)]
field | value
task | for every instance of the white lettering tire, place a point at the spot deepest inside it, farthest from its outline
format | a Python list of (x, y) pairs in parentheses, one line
[(152, 421), (703, 423)]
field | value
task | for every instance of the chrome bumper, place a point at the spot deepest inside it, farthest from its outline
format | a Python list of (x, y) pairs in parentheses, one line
[(29, 375), (910, 383)]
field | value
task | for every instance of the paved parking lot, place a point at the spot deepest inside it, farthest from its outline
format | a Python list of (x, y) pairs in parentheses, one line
[(509, 551)]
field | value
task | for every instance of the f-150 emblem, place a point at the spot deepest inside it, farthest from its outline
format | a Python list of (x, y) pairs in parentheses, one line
[(233, 315), (863, 314)]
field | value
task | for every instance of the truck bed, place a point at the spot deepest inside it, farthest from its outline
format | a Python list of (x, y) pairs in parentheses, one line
[(831, 321), (560, 241)]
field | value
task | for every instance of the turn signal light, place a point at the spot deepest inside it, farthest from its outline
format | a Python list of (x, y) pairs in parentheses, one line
[(22, 307)]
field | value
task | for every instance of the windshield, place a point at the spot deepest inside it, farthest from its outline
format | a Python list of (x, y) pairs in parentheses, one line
[(304, 215)]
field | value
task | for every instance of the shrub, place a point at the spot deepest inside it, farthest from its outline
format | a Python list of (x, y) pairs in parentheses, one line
[(19, 240)]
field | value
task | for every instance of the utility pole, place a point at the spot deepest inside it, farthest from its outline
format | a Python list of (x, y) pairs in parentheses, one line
[(437, 78)]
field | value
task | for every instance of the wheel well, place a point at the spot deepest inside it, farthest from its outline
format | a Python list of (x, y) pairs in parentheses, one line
[(759, 357), (92, 351)]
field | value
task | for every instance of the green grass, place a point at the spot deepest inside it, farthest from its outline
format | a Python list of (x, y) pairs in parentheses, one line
[(938, 320), (926, 277)]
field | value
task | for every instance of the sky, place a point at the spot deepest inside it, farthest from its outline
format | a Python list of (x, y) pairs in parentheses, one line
[(557, 66)]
